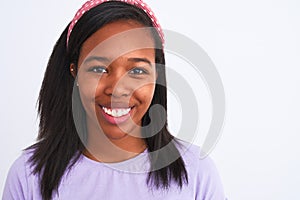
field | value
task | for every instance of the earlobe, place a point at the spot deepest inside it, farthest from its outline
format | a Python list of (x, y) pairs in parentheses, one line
[(73, 70)]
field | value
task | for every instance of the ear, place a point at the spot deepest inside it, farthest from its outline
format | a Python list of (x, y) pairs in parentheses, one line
[(73, 70)]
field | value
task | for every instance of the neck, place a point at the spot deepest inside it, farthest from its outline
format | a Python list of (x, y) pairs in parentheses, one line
[(103, 149)]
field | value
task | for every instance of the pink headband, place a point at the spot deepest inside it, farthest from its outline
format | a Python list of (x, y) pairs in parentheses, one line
[(93, 3)]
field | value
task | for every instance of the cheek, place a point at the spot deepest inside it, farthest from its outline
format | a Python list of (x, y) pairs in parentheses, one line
[(87, 91), (145, 94), (88, 84)]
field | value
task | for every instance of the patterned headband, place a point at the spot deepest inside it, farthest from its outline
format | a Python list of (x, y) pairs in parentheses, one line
[(138, 3)]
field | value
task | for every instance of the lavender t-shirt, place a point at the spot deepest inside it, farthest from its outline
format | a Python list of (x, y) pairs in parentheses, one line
[(125, 180)]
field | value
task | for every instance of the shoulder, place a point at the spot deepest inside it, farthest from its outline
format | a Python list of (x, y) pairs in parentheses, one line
[(202, 172), (20, 165), (191, 155), (17, 180)]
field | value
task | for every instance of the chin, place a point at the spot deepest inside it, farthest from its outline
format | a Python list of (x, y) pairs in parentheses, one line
[(116, 136)]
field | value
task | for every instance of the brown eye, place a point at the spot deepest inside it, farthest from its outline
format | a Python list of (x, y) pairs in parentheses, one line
[(98, 69), (138, 71)]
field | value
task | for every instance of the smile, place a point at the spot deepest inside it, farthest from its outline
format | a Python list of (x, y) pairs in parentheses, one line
[(116, 112), (116, 115)]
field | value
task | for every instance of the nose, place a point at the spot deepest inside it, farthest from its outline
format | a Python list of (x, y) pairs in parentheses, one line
[(116, 85)]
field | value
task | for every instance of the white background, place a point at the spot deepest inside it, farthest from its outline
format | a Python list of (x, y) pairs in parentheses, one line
[(255, 46)]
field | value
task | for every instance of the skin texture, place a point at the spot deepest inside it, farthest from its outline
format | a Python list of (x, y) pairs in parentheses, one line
[(116, 69)]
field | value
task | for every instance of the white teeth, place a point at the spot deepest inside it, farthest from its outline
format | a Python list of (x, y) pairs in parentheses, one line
[(116, 112)]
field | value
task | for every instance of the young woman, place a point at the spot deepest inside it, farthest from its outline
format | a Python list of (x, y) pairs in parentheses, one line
[(103, 129)]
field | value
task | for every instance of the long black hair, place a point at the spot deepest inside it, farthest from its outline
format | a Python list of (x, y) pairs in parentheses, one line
[(60, 144)]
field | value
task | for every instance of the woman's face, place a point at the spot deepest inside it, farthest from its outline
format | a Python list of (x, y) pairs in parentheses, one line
[(116, 78)]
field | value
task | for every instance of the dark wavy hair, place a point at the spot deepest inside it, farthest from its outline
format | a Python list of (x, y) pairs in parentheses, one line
[(60, 144)]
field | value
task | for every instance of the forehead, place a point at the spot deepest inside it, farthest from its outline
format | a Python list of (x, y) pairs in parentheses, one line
[(118, 38)]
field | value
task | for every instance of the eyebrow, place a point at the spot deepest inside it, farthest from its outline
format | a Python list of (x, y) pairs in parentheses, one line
[(104, 59), (98, 58), (140, 60)]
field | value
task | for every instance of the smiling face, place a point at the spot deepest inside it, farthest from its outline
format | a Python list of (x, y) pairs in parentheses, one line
[(116, 78)]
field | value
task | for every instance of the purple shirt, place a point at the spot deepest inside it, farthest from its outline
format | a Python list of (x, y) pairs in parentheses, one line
[(125, 180)]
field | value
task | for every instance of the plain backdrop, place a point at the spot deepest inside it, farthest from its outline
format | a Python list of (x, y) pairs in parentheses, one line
[(255, 46)]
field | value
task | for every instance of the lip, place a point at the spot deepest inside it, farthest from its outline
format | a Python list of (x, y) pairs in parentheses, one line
[(116, 120), (112, 105)]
